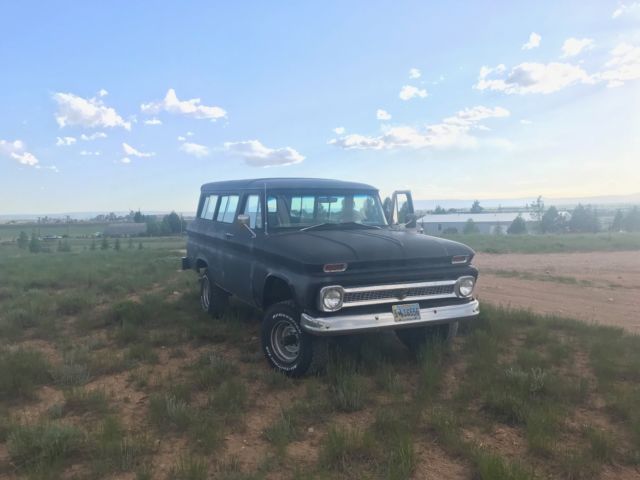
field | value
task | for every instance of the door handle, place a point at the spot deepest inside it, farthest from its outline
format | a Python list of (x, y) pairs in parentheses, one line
[(228, 235)]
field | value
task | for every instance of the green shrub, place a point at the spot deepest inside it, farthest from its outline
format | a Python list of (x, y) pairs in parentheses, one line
[(21, 371), (39, 446)]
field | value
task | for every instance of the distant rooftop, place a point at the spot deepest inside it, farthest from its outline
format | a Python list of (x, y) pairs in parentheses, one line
[(275, 183)]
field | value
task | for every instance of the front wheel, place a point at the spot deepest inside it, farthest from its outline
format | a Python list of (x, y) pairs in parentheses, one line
[(213, 299), (415, 338), (289, 349)]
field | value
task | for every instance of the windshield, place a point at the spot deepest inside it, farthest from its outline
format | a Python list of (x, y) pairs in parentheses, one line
[(295, 209)]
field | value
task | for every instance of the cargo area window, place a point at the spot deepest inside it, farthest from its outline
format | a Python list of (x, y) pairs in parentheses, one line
[(209, 207), (254, 211), (227, 209)]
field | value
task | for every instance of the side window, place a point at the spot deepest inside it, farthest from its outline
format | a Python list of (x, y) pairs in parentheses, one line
[(227, 209), (209, 207), (252, 208)]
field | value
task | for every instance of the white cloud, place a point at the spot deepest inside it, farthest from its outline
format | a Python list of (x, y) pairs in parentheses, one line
[(407, 92), (190, 134), (534, 41), (414, 73), (93, 136), (524, 121), (632, 8), (383, 114), (195, 149), (153, 121), (256, 154), (17, 151), (125, 160), (181, 138), (573, 46), (65, 141), (88, 153), (102, 93), (191, 108), (454, 131), (132, 152), (531, 78), (339, 130), (86, 112), (623, 66)]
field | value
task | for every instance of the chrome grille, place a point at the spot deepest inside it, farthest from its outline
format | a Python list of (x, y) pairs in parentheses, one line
[(374, 294)]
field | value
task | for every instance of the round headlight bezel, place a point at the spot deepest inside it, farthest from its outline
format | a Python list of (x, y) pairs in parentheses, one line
[(465, 286), (337, 292)]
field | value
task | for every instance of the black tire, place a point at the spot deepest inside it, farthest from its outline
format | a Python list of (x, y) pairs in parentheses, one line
[(213, 299), (289, 349), (415, 338)]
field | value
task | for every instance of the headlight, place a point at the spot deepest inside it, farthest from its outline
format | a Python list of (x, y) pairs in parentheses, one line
[(464, 286), (331, 298)]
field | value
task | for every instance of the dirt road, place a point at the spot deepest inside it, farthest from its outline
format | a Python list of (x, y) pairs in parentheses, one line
[(601, 287)]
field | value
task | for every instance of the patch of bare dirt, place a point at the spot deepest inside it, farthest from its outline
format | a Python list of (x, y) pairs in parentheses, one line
[(433, 463), (606, 288)]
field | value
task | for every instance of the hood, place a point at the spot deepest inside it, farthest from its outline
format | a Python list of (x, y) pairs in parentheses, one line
[(318, 247)]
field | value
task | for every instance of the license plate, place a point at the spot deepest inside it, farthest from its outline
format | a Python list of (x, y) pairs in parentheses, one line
[(406, 312)]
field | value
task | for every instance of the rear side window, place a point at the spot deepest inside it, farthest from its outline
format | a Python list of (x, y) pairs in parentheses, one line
[(253, 210), (227, 210), (209, 207)]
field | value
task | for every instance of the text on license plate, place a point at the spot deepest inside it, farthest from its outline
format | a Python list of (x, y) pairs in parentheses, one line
[(406, 312)]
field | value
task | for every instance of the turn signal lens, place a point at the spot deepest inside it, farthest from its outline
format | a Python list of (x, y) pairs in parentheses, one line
[(334, 267)]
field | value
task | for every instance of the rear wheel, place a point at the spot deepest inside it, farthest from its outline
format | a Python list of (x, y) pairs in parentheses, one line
[(213, 299), (415, 338), (288, 348)]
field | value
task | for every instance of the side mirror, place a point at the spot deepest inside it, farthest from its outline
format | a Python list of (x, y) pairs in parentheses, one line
[(245, 220)]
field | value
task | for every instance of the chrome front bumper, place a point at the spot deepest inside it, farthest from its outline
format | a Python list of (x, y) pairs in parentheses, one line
[(355, 323)]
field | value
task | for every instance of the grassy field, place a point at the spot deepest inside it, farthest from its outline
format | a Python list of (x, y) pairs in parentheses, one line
[(108, 369), (571, 242)]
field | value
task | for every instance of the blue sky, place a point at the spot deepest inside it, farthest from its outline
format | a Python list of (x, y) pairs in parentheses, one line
[(99, 104)]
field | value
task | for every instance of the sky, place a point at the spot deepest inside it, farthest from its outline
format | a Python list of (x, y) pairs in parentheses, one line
[(118, 106)]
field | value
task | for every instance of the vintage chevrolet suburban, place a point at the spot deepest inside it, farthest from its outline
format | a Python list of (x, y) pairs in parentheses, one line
[(320, 257)]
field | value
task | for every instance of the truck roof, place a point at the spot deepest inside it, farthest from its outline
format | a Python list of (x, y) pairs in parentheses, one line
[(276, 183)]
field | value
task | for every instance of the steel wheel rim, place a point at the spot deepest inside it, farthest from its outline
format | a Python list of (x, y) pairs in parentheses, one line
[(204, 297), (285, 340)]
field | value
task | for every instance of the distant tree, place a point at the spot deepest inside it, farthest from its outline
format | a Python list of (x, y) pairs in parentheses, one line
[(116, 246), (138, 217), (386, 206), (538, 209), (518, 226), (140, 246), (439, 210), (105, 244), (35, 245), (618, 222), (93, 245), (23, 240), (584, 220), (64, 246), (498, 230), (552, 221), (470, 227), (475, 207), (131, 243), (172, 223), (632, 220)]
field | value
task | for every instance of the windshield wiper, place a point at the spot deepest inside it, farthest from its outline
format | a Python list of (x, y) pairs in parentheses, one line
[(332, 224)]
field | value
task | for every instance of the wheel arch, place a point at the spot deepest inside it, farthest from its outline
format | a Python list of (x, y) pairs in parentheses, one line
[(276, 289)]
